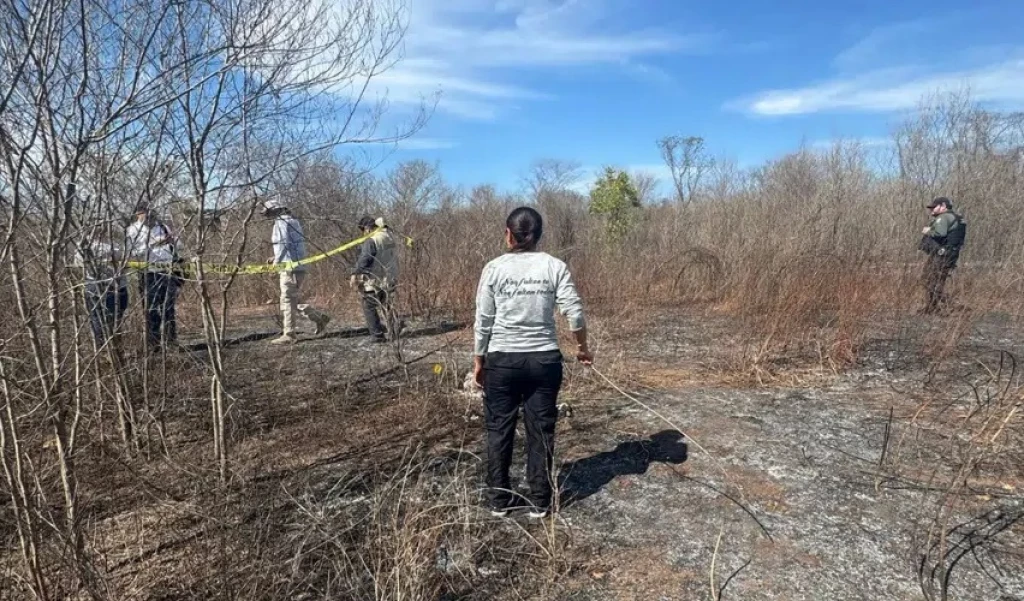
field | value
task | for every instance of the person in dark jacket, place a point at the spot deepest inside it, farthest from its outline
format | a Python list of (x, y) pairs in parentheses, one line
[(941, 241), (375, 277)]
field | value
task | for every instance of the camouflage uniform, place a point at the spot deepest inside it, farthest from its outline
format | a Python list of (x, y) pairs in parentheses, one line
[(941, 259), (377, 269)]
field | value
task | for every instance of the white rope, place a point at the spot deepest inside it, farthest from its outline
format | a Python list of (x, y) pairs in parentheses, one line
[(653, 412)]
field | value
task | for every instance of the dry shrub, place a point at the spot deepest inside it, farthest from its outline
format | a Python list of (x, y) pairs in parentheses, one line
[(411, 529), (417, 533), (962, 447), (810, 249)]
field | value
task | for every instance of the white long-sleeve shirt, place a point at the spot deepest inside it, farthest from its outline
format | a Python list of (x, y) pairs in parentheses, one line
[(288, 241), (516, 302), (143, 242)]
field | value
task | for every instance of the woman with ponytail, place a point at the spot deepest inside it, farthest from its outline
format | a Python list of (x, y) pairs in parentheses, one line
[(517, 359)]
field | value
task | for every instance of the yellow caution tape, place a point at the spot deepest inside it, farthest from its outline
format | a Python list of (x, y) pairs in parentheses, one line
[(188, 268)]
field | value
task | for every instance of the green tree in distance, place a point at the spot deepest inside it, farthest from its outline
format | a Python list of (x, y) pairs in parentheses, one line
[(614, 197)]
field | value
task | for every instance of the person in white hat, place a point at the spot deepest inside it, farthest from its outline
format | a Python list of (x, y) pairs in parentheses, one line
[(290, 246), (376, 278)]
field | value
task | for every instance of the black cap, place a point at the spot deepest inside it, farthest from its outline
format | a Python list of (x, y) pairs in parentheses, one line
[(367, 222), (940, 200)]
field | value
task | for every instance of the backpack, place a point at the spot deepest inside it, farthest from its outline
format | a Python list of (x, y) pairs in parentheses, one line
[(957, 235)]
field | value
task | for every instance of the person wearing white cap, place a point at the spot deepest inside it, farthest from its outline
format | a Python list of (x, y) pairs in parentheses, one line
[(290, 246), (375, 276)]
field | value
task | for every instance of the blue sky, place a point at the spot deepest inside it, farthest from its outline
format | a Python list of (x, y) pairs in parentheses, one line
[(598, 81)]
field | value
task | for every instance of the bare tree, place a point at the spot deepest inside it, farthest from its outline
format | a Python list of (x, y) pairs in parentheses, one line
[(267, 85), (483, 196), (79, 82), (106, 103), (413, 186), (552, 185), (552, 175), (688, 162), (646, 184)]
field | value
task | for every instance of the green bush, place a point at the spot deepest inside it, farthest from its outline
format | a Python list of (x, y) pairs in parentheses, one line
[(615, 198)]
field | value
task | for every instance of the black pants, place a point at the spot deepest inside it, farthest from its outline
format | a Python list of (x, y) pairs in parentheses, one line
[(530, 380), (936, 271), (106, 306), (378, 310), (159, 295)]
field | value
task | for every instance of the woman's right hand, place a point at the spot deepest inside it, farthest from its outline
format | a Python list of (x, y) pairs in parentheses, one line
[(478, 371), (585, 357)]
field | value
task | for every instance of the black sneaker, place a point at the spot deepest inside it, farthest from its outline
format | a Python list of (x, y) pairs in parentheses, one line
[(500, 510)]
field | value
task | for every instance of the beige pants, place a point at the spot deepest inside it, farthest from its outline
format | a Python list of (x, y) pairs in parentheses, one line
[(291, 281)]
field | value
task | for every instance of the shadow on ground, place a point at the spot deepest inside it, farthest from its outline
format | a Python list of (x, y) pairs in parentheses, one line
[(580, 479)]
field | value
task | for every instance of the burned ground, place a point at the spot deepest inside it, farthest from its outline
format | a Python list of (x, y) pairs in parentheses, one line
[(357, 472)]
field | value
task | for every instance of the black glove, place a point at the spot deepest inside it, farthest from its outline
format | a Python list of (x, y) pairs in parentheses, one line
[(929, 245)]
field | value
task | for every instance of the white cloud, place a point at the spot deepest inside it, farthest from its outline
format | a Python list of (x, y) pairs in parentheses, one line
[(895, 66), (469, 50), (425, 74), (882, 42), (892, 90), (426, 144)]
